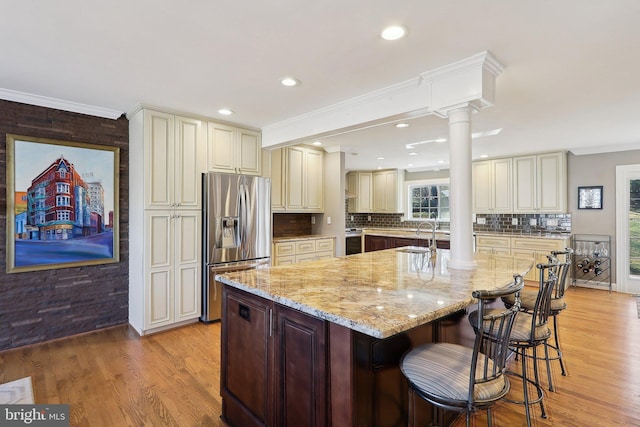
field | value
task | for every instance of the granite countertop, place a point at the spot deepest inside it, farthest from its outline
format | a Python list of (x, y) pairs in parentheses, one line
[(378, 293), (307, 237)]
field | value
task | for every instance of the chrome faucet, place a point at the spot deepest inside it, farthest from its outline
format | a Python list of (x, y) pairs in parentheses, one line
[(434, 226)]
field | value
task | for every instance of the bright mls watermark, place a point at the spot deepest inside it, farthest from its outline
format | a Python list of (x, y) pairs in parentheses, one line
[(34, 415)]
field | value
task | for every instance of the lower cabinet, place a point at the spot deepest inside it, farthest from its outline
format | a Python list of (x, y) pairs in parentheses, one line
[(378, 243), (307, 249), (281, 377), (538, 249)]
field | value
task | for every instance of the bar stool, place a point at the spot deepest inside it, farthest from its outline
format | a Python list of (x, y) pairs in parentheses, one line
[(460, 378), (528, 299), (529, 332)]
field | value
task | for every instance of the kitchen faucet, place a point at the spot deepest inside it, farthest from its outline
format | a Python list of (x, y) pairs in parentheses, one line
[(434, 226)]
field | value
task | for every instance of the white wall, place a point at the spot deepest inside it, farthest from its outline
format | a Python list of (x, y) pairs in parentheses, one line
[(334, 200)]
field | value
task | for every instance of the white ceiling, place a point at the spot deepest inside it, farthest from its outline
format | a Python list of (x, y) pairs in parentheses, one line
[(570, 79)]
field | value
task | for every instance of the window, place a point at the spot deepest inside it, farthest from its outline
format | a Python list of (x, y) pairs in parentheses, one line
[(64, 215), (63, 201), (62, 187), (428, 200)]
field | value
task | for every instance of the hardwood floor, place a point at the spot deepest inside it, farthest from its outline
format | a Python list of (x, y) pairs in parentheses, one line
[(115, 378)]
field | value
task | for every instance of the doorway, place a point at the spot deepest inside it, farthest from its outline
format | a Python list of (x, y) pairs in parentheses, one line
[(628, 228)]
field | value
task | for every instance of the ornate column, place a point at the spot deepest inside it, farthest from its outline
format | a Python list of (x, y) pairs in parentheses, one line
[(460, 189)]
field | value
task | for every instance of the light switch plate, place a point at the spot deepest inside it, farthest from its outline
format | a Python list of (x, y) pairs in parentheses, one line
[(533, 221), (514, 221), (482, 221)]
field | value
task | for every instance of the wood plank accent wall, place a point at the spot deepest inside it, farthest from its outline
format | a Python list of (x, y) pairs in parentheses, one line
[(49, 304)]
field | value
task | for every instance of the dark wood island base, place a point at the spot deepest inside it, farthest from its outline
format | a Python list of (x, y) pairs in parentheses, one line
[(282, 367)]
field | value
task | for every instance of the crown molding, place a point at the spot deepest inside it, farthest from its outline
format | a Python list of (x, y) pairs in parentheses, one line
[(58, 104), (604, 148)]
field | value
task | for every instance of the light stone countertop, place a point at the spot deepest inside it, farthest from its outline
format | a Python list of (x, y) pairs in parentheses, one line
[(380, 293), (532, 235)]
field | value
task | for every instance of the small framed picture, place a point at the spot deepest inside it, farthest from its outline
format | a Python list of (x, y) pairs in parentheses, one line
[(590, 197)]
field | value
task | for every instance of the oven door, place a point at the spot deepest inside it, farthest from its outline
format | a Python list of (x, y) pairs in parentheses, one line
[(353, 244)]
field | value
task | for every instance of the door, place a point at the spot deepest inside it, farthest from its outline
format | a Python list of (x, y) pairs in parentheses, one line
[(628, 228)]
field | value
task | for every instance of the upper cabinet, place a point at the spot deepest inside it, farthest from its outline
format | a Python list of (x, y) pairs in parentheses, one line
[(492, 186), (527, 184), (377, 192), (297, 179), (233, 150), (360, 184), (540, 183), (387, 191), (174, 150)]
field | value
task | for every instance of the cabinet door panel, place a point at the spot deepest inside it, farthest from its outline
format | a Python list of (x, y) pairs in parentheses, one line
[(296, 178), (188, 293), (301, 369), (551, 182), (481, 172), (278, 180), (502, 185), (189, 162), (245, 378), (250, 160), (159, 146), (221, 148), (525, 183), (314, 180), (159, 299), (158, 239)]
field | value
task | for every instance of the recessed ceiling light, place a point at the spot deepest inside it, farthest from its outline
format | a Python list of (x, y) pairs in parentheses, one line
[(440, 162), (225, 111), (379, 167), (394, 32), (413, 153), (484, 156), (317, 143), (379, 158), (402, 125), (289, 82), (410, 165)]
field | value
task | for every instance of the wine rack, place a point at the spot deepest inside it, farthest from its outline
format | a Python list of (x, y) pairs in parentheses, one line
[(592, 260)]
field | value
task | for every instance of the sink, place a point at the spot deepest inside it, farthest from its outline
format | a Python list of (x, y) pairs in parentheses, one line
[(414, 250)]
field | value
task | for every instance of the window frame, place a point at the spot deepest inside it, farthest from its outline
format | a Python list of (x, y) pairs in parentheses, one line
[(409, 185)]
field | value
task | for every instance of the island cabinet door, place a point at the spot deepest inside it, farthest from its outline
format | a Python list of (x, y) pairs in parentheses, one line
[(300, 369), (247, 360)]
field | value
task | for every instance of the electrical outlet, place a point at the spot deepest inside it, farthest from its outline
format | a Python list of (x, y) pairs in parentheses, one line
[(369, 218), (351, 217), (482, 221), (533, 222), (313, 220), (329, 220), (552, 222), (514, 221)]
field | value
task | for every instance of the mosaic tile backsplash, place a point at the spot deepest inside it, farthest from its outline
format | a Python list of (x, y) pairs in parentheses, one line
[(494, 223)]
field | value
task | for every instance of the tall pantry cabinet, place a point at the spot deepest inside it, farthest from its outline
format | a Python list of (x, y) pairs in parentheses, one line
[(167, 156)]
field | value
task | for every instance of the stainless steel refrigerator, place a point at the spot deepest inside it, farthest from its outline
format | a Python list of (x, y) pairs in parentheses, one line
[(236, 231)]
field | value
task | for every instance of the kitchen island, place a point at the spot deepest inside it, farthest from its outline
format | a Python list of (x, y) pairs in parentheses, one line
[(318, 343)]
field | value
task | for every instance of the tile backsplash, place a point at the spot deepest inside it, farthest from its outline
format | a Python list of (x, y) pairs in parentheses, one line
[(495, 223)]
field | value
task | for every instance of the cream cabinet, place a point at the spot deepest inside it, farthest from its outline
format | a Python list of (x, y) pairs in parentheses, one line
[(297, 176), (233, 150), (493, 244), (165, 219), (172, 263), (308, 249), (174, 148), (540, 183), (387, 191), (537, 249), (492, 186), (360, 184)]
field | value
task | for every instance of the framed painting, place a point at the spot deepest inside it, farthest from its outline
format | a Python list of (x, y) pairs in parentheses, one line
[(62, 204), (590, 197)]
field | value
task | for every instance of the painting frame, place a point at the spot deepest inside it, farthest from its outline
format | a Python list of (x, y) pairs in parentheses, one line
[(590, 197), (68, 214)]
